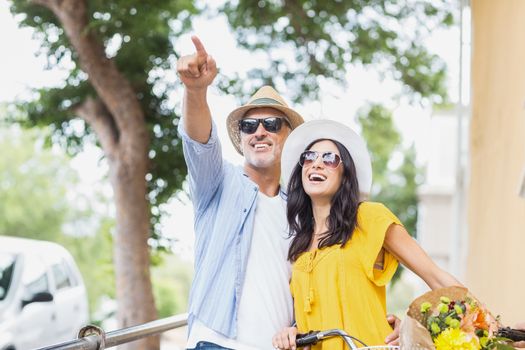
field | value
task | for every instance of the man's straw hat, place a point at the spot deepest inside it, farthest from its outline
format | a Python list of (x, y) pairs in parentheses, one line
[(264, 97)]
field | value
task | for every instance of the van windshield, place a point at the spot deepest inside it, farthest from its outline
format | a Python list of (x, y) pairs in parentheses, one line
[(7, 266)]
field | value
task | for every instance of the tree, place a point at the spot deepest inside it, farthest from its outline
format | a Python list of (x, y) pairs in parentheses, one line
[(327, 37), (116, 51)]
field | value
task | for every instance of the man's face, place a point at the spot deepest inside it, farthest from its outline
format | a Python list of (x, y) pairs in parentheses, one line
[(262, 149)]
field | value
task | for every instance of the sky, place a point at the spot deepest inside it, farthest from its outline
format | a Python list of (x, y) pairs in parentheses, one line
[(21, 70)]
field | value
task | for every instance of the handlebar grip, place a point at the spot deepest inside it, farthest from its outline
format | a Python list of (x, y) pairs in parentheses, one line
[(512, 334), (307, 339)]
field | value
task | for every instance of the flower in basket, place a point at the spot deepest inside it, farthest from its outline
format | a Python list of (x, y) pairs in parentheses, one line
[(455, 320)]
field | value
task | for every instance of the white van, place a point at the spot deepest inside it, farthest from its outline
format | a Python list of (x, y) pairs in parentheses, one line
[(43, 300)]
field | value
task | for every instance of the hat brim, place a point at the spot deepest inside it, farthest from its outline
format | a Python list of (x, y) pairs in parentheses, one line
[(308, 132), (292, 117)]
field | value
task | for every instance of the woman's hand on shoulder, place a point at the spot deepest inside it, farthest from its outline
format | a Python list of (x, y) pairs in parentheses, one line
[(285, 339)]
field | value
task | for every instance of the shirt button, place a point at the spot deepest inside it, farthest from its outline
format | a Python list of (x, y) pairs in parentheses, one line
[(255, 189), (244, 210)]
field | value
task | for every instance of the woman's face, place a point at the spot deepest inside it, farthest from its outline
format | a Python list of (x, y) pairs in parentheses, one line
[(321, 180)]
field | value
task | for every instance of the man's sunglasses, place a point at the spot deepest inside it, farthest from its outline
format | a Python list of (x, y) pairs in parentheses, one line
[(331, 160), (250, 125)]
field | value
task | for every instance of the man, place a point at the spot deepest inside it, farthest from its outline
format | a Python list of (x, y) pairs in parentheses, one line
[(240, 296)]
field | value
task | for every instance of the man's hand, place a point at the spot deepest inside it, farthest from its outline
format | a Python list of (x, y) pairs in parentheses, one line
[(197, 71), (395, 323)]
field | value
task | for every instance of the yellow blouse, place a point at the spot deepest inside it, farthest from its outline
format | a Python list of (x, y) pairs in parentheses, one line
[(338, 287)]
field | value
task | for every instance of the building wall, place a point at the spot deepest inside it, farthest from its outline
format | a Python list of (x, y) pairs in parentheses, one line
[(496, 213)]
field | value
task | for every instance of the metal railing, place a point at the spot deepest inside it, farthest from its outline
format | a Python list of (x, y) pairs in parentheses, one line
[(94, 338)]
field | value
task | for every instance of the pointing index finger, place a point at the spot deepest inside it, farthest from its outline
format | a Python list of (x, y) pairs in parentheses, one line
[(199, 47)]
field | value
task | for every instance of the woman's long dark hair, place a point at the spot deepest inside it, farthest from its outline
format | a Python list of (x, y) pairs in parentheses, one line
[(343, 212)]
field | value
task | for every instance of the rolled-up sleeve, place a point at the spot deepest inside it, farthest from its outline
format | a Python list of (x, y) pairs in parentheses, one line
[(205, 166)]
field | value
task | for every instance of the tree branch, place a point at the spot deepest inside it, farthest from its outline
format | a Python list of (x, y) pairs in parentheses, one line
[(111, 86), (98, 117)]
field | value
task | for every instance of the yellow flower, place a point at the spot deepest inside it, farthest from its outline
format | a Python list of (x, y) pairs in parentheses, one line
[(455, 339)]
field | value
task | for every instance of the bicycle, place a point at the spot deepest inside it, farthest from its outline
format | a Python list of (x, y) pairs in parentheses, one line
[(316, 336)]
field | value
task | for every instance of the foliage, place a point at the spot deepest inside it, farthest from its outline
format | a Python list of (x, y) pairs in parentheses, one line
[(35, 203), (394, 186), (327, 36), (93, 254), (33, 186), (377, 127), (138, 35), (171, 285)]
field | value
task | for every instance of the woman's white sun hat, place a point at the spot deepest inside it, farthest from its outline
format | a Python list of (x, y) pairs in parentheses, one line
[(311, 131)]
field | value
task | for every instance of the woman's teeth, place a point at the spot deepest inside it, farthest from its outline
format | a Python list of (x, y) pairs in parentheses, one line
[(316, 177)]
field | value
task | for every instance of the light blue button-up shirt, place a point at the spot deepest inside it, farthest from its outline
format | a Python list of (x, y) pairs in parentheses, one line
[(224, 200)]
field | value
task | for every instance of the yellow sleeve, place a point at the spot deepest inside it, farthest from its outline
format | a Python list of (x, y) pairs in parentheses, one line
[(373, 221)]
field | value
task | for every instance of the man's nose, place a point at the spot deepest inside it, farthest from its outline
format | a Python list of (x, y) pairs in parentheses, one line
[(261, 131)]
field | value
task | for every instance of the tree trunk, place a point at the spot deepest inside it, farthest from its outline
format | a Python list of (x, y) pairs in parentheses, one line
[(131, 255), (119, 123)]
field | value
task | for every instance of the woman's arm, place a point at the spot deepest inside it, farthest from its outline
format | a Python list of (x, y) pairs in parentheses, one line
[(399, 243)]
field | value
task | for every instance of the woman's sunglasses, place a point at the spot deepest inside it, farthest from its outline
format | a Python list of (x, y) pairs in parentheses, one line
[(250, 125), (331, 160)]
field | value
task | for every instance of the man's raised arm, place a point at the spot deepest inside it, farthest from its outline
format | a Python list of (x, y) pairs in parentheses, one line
[(197, 72)]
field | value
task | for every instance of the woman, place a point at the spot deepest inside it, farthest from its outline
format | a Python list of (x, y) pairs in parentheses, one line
[(344, 250)]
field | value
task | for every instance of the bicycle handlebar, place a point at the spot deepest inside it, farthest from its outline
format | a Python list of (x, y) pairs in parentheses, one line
[(310, 338), (314, 336), (512, 334)]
